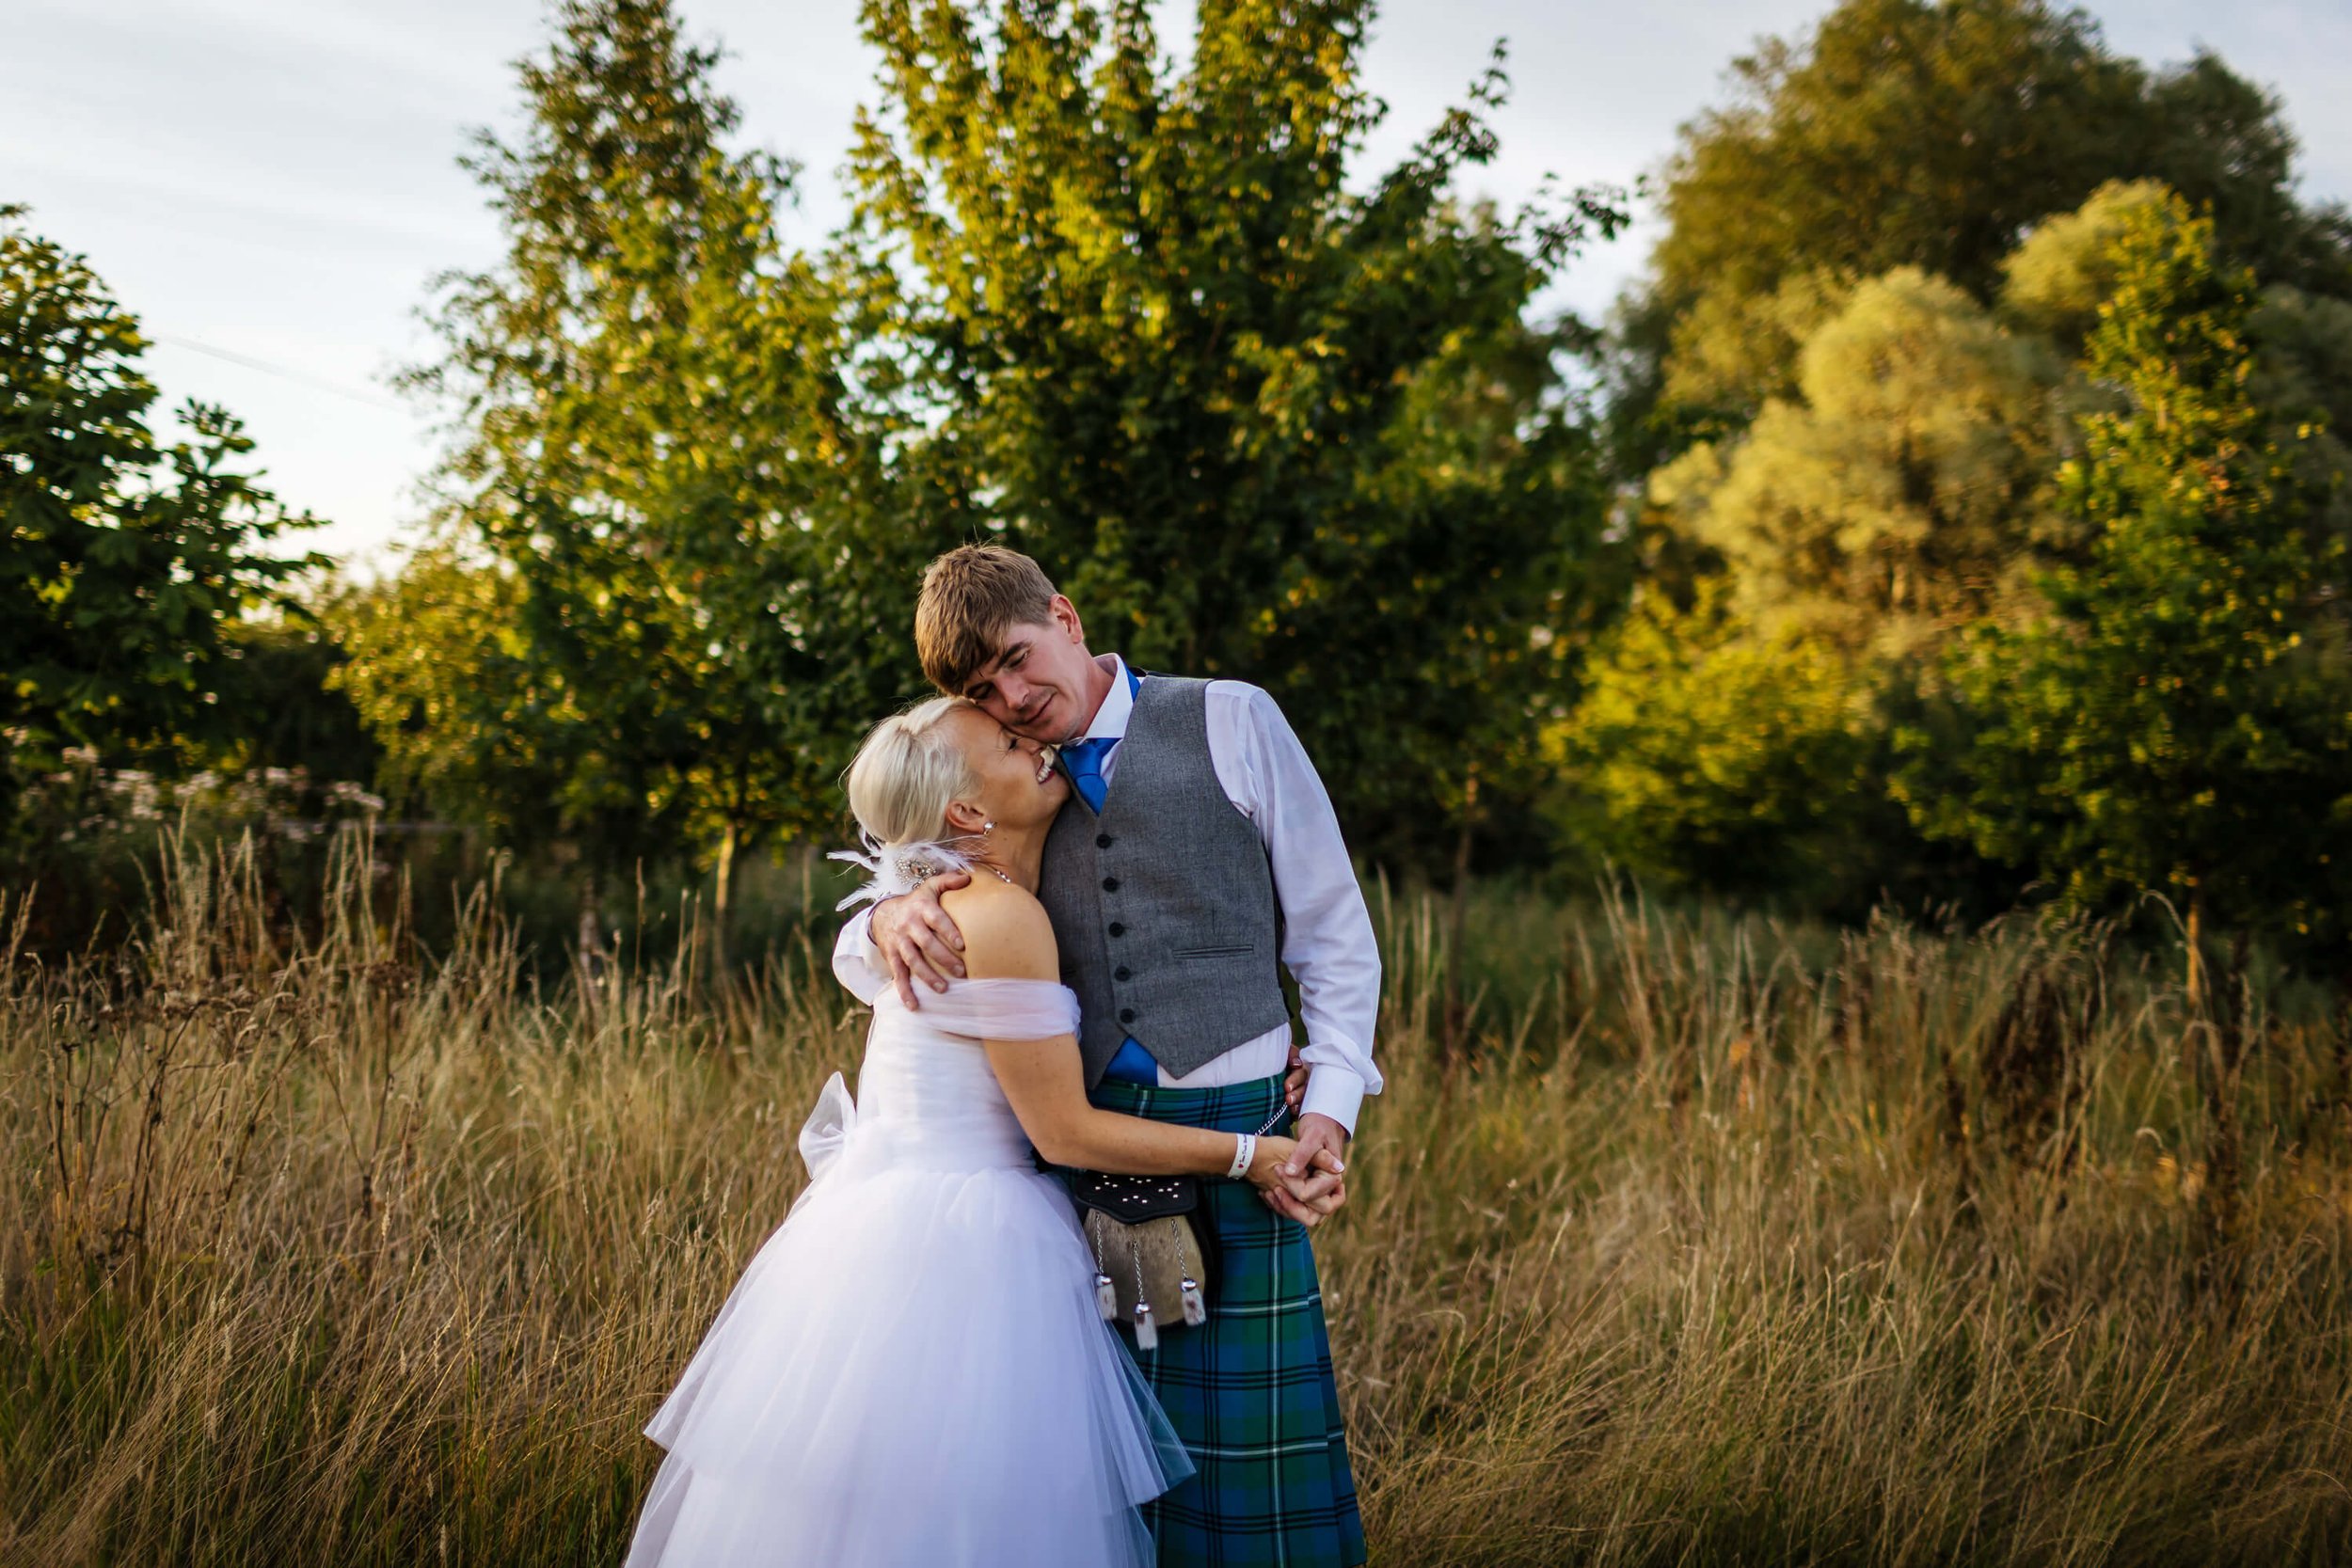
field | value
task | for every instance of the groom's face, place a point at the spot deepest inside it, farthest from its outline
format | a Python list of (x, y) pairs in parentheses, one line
[(1038, 684)]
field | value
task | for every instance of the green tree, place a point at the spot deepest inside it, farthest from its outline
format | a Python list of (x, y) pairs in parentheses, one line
[(1261, 420), (650, 476), (283, 686), (2181, 718), (1704, 753), (1934, 134), (1897, 492), (2302, 375), (442, 671), (2056, 278), (127, 560), (2300, 341)]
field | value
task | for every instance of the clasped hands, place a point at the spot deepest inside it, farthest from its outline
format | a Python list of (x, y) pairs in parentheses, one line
[(918, 940), (1310, 1185)]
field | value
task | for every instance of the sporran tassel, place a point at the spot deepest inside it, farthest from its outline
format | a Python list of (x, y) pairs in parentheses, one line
[(1195, 1310), (1147, 1334), (1105, 1297)]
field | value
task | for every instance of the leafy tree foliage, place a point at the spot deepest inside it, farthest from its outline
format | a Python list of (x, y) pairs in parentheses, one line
[(2302, 375), (290, 712), (1703, 753), (1887, 500), (1126, 317), (2300, 343), (648, 483), (443, 672), (1934, 134), (2181, 719), (127, 560), (1257, 422), (2055, 281), (1265, 417)]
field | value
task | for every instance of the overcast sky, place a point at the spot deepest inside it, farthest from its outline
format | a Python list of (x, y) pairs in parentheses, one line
[(269, 184)]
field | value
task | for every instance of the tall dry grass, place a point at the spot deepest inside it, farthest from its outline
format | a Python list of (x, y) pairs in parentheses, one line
[(1728, 1242)]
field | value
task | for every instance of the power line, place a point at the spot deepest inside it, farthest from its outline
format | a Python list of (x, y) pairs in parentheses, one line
[(286, 371)]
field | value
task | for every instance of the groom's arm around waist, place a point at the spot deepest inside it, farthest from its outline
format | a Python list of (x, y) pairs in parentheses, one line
[(1328, 942)]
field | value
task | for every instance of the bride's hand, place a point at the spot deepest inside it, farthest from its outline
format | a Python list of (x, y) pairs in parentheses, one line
[(1265, 1166)]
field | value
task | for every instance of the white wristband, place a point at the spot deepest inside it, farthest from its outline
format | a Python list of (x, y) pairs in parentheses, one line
[(1245, 1154)]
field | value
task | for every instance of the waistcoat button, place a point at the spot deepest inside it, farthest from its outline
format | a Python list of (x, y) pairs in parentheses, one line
[(1117, 929), (1122, 973), (1102, 841), (1110, 884), (1126, 1015)]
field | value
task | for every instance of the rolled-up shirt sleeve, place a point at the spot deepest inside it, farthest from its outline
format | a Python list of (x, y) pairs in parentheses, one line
[(857, 963), (1328, 942)]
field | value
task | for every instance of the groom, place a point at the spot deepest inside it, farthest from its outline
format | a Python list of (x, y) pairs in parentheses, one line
[(1197, 859)]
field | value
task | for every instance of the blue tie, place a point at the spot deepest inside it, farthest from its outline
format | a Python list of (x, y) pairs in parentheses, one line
[(1083, 759)]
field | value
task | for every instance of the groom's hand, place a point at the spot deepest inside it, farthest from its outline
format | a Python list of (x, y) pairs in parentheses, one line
[(1312, 1196), (917, 939), (1317, 1165)]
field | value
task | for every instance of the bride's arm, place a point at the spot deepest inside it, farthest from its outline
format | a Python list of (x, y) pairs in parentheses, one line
[(1009, 938), (1047, 1088)]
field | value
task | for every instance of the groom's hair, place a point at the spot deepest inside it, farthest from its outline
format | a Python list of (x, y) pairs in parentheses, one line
[(971, 596)]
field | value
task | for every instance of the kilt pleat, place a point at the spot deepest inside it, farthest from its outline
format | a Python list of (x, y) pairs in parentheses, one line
[(1251, 1391)]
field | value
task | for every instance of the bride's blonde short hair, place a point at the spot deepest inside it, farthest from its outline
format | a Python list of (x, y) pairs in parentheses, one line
[(908, 772)]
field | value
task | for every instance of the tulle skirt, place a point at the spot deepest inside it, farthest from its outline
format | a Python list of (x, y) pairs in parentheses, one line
[(913, 1371)]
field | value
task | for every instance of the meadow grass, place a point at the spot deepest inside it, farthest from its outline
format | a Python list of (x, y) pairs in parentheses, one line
[(1699, 1240)]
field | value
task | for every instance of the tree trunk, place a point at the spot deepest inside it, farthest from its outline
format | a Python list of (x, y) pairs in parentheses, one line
[(2196, 947), (723, 900), (591, 936)]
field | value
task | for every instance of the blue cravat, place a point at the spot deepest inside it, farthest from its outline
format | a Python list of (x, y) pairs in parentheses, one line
[(1083, 759)]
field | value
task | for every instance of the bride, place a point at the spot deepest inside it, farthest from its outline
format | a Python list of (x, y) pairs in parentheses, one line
[(913, 1369)]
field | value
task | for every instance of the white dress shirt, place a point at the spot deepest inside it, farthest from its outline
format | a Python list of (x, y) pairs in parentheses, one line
[(1327, 932)]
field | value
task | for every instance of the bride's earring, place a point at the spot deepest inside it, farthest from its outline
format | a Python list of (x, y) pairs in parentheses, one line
[(986, 829)]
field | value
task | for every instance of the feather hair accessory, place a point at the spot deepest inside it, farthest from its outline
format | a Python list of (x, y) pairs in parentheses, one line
[(896, 868)]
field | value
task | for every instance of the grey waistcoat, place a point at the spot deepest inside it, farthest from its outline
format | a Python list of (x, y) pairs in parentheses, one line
[(1164, 905)]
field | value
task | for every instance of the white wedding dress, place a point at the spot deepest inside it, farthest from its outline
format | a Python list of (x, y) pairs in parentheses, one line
[(913, 1369)]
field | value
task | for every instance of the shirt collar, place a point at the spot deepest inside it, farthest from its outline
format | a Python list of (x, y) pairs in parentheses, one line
[(1111, 719)]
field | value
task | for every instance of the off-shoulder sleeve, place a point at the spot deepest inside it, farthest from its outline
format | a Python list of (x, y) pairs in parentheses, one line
[(998, 1009)]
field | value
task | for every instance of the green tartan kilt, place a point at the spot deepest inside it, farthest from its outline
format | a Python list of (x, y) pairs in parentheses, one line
[(1251, 1391)]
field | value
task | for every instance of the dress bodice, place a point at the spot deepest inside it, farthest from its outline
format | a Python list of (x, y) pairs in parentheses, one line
[(926, 1094)]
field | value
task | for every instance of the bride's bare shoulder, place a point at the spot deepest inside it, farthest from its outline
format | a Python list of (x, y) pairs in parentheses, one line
[(1006, 934)]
